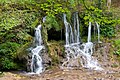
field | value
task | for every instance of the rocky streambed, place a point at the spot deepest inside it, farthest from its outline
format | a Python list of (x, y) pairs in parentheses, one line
[(57, 74)]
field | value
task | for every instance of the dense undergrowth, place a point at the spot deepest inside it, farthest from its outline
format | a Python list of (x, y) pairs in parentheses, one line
[(19, 18)]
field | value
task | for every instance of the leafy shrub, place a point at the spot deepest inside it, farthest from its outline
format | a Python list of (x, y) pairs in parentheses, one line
[(8, 54), (104, 19), (107, 30), (7, 63), (117, 47), (51, 22)]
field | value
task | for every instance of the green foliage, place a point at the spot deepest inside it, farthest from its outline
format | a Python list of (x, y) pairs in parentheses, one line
[(117, 52), (22, 52), (105, 20), (108, 24), (107, 30), (51, 22), (9, 47), (7, 64), (117, 43), (17, 17), (93, 14), (8, 21), (17, 1), (8, 54), (74, 3), (52, 7), (56, 50), (117, 47), (95, 11), (15, 35)]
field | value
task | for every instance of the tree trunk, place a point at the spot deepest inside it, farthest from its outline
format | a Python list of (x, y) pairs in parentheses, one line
[(108, 4)]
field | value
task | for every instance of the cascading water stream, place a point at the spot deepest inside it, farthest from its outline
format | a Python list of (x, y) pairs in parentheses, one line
[(75, 31), (78, 30), (75, 50), (36, 64), (67, 30), (98, 28), (88, 50), (71, 34), (38, 37), (89, 32), (44, 19)]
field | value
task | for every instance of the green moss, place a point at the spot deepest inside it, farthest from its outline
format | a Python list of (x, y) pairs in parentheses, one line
[(114, 65), (56, 51), (117, 43), (22, 51), (44, 34)]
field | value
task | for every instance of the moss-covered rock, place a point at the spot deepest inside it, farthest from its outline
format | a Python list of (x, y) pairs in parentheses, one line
[(56, 51)]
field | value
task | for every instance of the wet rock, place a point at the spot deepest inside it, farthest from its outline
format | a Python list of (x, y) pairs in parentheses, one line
[(0, 72), (46, 59)]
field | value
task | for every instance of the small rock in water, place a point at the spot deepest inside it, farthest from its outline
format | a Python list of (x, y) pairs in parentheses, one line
[(98, 78)]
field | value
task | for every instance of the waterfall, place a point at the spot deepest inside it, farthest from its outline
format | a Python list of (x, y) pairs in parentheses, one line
[(78, 30), (89, 32), (98, 28), (88, 50), (38, 37), (75, 50), (75, 31), (44, 19), (71, 34), (69, 31), (36, 63)]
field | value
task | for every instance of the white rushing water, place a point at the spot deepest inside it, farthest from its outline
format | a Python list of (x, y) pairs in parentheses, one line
[(36, 64), (98, 28), (76, 29), (75, 50), (44, 19), (69, 32), (89, 32)]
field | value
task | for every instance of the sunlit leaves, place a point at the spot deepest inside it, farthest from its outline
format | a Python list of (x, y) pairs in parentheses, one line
[(8, 21), (93, 14), (52, 8)]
